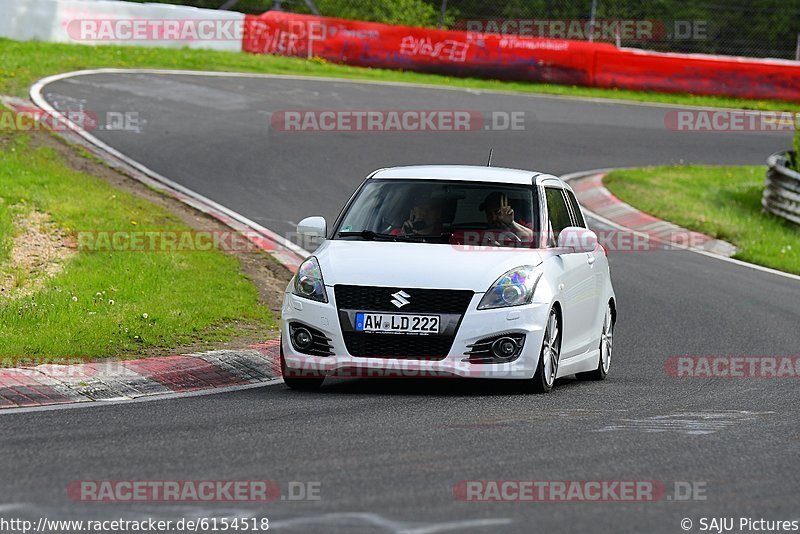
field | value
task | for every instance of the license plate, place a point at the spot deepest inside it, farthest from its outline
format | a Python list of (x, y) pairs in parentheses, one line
[(396, 323)]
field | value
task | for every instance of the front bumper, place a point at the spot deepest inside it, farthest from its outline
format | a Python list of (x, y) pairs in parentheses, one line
[(529, 320)]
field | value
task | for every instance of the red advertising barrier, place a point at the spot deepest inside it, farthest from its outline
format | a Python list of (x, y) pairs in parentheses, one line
[(698, 74), (509, 57), (370, 44)]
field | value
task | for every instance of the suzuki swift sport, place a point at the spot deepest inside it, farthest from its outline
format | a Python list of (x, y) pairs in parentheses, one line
[(461, 271)]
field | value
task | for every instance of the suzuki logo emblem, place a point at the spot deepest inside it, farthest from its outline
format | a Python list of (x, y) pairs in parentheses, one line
[(400, 299)]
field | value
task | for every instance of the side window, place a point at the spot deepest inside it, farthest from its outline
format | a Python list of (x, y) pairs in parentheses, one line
[(576, 209), (557, 213)]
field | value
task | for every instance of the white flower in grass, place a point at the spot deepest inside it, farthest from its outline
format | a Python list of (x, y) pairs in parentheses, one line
[(145, 316), (110, 302), (74, 298)]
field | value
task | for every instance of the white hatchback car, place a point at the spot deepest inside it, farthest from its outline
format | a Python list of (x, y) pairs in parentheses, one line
[(451, 271)]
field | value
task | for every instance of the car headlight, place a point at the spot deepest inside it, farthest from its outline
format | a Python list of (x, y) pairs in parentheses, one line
[(514, 288), (308, 281)]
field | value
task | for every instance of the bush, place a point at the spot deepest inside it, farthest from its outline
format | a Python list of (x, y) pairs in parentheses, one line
[(403, 12)]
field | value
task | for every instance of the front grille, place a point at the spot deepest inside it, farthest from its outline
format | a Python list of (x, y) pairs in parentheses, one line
[(449, 304), (369, 298), (397, 346)]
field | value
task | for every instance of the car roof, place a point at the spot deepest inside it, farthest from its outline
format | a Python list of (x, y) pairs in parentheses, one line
[(467, 173)]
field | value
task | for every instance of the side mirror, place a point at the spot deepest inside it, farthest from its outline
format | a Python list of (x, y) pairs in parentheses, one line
[(311, 231), (577, 239)]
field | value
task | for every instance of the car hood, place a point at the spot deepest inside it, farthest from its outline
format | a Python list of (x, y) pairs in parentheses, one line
[(422, 265)]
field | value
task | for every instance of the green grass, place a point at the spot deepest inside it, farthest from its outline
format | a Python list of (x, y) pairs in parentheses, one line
[(724, 202), (22, 63), (6, 228), (160, 299)]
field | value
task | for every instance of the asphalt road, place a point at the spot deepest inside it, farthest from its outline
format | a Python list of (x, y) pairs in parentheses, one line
[(387, 454)]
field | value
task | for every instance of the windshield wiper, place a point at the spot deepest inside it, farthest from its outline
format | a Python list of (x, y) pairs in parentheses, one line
[(370, 236), (409, 238)]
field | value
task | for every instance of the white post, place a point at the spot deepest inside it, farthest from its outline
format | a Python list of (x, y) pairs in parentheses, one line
[(797, 52), (592, 19)]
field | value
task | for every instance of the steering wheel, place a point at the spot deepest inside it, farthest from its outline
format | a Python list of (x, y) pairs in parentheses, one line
[(517, 239)]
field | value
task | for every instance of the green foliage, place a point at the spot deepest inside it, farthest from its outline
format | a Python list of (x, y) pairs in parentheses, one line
[(723, 202), (758, 28), (404, 12), (108, 303)]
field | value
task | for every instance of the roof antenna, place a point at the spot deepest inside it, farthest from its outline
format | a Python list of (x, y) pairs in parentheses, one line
[(489, 163)]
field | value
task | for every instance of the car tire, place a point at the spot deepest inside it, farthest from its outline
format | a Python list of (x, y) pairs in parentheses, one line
[(300, 380), (547, 368), (606, 346)]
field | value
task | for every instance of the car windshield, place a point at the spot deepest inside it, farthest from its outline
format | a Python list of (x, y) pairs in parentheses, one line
[(477, 214)]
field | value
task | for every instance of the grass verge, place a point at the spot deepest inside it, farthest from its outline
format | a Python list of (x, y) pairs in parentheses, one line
[(22, 63), (107, 303), (724, 202)]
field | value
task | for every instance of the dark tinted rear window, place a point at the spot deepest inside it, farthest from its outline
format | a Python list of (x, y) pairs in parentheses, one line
[(576, 209), (557, 212)]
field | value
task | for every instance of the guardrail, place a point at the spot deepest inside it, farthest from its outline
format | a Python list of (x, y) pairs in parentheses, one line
[(782, 192)]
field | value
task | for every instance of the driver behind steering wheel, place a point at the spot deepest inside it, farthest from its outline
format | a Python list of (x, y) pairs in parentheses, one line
[(425, 219)]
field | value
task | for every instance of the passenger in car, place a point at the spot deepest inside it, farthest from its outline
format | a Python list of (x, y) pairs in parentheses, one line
[(500, 216)]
